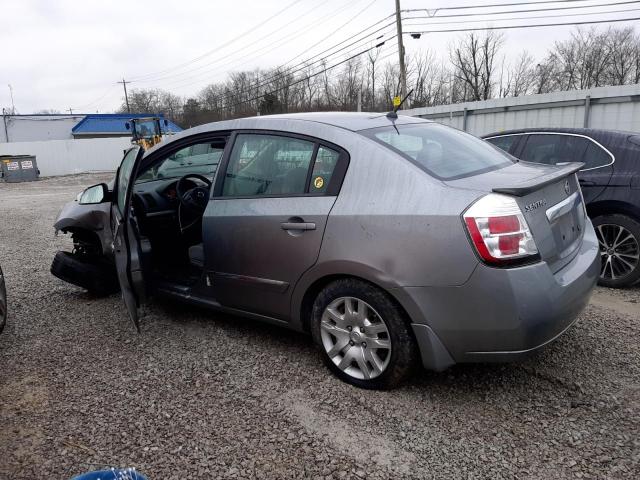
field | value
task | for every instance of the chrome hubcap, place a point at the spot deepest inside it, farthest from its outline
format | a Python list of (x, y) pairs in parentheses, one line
[(619, 251), (356, 338)]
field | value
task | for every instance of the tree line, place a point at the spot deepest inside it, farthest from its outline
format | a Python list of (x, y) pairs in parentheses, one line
[(476, 69)]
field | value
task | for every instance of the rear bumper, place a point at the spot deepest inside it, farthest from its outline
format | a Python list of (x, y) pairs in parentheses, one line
[(501, 314)]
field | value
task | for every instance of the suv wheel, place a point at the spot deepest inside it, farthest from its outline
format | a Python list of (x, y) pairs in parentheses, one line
[(362, 335), (619, 239)]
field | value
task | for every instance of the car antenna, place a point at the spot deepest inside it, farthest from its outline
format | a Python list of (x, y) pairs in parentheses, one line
[(394, 113)]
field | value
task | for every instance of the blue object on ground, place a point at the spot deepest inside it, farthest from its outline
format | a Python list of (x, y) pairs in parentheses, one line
[(115, 474)]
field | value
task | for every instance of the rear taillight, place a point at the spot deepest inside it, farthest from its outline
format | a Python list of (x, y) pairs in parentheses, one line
[(499, 231)]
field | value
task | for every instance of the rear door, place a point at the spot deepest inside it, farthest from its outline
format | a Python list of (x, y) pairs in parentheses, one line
[(126, 243), (554, 148), (263, 228)]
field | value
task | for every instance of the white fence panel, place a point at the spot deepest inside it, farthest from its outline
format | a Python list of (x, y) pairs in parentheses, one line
[(65, 157), (610, 108)]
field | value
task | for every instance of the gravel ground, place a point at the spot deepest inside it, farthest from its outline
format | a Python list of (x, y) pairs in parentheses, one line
[(204, 395)]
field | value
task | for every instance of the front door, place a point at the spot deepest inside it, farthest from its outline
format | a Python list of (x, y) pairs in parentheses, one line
[(126, 246), (263, 228)]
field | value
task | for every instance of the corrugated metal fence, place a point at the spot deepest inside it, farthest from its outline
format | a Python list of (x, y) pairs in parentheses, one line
[(65, 157), (611, 108)]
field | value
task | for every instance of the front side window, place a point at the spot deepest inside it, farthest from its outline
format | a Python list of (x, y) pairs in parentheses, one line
[(441, 151), (201, 158), (268, 165), (124, 174), (504, 143)]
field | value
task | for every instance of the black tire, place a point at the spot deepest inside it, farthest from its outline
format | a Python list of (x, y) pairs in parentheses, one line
[(606, 226), (95, 274), (3, 302), (403, 355)]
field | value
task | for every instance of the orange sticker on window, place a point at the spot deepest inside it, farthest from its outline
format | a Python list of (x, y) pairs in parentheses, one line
[(318, 182)]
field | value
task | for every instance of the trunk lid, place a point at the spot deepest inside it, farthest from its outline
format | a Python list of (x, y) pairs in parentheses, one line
[(550, 200)]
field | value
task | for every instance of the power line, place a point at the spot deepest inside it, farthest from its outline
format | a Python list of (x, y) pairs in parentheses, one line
[(533, 17), (228, 55), (302, 79), (204, 55), (270, 80), (491, 5), (433, 31), (307, 63), (507, 27), (476, 14), (288, 37)]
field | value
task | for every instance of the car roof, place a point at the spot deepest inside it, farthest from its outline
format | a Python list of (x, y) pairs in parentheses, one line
[(588, 132), (350, 121), (354, 121)]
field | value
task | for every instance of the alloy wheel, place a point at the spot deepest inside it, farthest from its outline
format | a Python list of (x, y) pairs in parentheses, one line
[(355, 338), (619, 251)]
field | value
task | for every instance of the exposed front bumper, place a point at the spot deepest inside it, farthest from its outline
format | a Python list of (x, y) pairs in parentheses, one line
[(501, 314)]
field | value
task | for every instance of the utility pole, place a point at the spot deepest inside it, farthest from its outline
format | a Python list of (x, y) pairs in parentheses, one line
[(403, 70), (13, 107), (126, 97), (70, 111)]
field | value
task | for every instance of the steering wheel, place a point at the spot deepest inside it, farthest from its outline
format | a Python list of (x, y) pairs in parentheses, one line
[(196, 198)]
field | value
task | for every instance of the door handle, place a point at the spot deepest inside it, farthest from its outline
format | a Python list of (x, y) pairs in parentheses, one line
[(298, 226), (586, 182)]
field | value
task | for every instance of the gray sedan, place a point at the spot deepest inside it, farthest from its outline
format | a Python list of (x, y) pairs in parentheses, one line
[(392, 241)]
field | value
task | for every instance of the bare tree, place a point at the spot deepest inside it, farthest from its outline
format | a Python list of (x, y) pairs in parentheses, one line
[(473, 59)]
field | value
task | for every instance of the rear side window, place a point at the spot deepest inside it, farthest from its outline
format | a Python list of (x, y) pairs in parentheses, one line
[(595, 157), (268, 165), (505, 143), (443, 152), (326, 161)]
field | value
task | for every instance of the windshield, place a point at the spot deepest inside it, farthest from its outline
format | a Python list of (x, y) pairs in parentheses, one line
[(441, 151), (201, 158)]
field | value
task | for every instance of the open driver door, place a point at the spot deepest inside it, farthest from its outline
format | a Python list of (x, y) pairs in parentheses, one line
[(126, 243)]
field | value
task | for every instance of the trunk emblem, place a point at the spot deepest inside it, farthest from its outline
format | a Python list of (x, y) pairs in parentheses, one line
[(532, 206), (567, 187)]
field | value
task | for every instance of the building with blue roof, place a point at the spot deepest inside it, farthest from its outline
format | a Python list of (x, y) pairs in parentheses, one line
[(101, 125), (43, 127)]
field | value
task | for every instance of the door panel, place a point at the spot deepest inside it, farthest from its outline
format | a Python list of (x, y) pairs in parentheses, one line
[(256, 249), (126, 245)]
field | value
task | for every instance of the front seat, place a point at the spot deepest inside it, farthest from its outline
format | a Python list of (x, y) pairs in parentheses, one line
[(196, 255)]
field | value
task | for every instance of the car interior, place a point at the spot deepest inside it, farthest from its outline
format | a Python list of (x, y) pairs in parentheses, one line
[(169, 200)]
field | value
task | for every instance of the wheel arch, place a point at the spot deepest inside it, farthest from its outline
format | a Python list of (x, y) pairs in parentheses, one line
[(612, 207), (314, 281)]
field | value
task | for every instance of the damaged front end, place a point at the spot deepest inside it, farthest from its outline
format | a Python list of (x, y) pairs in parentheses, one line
[(90, 264)]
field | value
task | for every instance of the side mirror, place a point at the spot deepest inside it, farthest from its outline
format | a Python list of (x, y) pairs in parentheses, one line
[(166, 123), (94, 195), (127, 125)]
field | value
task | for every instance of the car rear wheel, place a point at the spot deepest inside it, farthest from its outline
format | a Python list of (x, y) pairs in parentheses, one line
[(362, 335), (619, 240), (3, 302)]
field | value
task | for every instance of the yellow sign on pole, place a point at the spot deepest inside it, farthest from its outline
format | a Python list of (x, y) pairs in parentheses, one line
[(396, 101)]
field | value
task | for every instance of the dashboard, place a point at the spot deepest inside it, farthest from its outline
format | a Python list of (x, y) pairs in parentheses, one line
[(157, 197)]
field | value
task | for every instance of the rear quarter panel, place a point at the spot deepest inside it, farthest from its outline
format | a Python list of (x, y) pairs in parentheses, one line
[(395, 225)]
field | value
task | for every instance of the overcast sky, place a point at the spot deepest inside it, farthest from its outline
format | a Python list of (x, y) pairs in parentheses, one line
[(70, 53)]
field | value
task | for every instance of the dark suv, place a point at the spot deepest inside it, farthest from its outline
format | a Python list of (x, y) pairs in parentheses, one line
[(610, 182)]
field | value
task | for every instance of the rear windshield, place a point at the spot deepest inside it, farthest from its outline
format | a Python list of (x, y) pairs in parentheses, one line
[(441, 151)]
